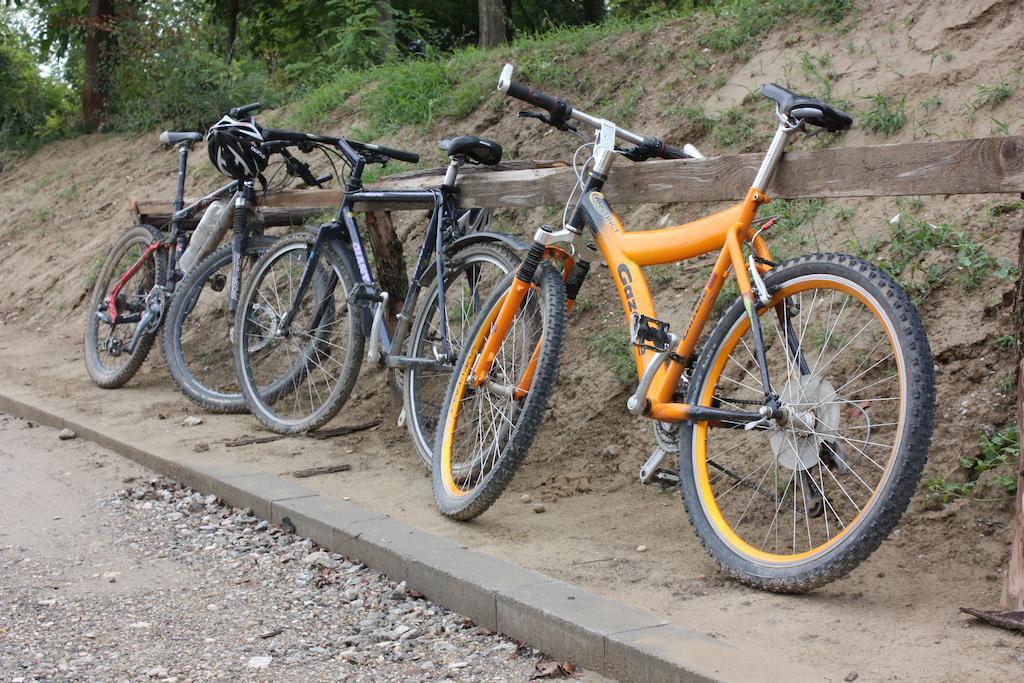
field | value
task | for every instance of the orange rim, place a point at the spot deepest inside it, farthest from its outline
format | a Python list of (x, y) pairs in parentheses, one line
[(722, 527), (451, 421)]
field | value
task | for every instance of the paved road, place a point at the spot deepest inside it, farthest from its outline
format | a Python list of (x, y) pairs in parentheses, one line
[(108, 573)]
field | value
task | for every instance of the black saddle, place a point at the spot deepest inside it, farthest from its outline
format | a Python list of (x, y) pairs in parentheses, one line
[(809, 109), (169, 137), (478, 150)]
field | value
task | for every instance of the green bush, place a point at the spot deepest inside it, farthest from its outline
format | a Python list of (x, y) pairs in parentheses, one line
[(34, 109), (181, 83)]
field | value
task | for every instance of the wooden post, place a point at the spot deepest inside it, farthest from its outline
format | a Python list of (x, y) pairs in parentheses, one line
[(1013, 592), (389, 262)]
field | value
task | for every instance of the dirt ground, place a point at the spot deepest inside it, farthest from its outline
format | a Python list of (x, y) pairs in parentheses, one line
[(894, 617)]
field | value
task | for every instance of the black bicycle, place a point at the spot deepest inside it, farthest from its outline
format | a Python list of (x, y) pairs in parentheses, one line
[(200, 321), (135, 283), (312, 307), (134, 291)]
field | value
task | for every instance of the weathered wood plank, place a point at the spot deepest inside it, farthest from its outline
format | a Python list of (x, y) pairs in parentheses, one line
[(981, 166), (292, 207), (989, 165)]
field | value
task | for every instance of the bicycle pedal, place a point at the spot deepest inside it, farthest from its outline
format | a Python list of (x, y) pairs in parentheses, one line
[(650, 333), (667, 479), (401, 419)]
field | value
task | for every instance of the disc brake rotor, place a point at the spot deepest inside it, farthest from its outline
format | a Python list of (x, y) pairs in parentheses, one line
[(813, 417)]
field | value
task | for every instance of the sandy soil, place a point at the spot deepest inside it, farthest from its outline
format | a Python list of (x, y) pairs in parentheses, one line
[(893, 617)]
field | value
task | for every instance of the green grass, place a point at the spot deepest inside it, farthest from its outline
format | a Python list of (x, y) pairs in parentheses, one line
[(885, 115), (734, 129), (923, 256), (621, 106), (615, 351), (999, 455), (384, 98), (94, 272), (43, 214), (736, 25), (991, 95)]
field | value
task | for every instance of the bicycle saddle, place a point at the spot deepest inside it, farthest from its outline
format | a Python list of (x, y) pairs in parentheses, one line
[(478, 150), (171, 137), (811, 110)]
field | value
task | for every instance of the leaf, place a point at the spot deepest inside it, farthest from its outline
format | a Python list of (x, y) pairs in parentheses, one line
[(549, 668)]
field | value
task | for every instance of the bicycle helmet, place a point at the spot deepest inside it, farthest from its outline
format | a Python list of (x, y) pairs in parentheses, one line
[(236, 149)]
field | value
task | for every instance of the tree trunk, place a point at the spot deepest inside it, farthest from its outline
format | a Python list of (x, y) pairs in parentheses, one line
[(232, 10), (389, 262), (99, 59), (493, 23), (1013, 593), (593, 11), (388, 48)]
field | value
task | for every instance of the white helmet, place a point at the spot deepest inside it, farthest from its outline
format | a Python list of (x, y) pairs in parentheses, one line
[(236, 149)]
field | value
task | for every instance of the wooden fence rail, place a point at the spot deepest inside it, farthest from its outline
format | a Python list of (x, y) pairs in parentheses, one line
[(982, 166)]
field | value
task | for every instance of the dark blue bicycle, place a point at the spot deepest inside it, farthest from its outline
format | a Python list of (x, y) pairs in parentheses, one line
[(312, 310)]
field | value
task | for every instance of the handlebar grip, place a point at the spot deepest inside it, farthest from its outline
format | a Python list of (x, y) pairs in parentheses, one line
[(411, 157), (552, 105), (235, 112), (286, 135), (668, 152)]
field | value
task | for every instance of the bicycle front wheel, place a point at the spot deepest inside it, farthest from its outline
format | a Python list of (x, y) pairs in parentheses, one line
[(297, 379), (798, 501), (485, 432), (114, 351), (471, 276), (196, 337)]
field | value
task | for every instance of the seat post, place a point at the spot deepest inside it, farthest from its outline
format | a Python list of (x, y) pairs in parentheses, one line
[(772, 157), (453, 170), (179, 197)]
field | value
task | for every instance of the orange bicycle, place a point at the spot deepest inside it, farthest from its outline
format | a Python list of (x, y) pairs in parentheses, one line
[(802, 425)]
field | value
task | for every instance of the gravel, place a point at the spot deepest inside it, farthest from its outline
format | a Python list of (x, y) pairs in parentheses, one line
[(221, 595)]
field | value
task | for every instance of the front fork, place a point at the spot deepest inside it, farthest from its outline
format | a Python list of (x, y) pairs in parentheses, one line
[(239, 237), (574, 273)]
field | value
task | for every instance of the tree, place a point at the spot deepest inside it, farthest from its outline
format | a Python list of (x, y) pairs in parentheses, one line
[(593, 11), (493, 23), (99, 58)]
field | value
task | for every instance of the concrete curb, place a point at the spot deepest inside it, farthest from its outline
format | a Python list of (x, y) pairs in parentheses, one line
[(560, 619)]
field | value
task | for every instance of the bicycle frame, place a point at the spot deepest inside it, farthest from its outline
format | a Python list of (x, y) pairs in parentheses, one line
[(625, 253), (342, 236), (179, 213)]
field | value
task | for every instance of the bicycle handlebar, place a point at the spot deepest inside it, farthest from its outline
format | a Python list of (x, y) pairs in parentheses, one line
[(553, 105), (411, 157), (561, 111), (235, 112), (274, 134)]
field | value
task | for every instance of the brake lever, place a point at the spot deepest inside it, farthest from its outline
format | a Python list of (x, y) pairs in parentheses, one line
[(543, 118)]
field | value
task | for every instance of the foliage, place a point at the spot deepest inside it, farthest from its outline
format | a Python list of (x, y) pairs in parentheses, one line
[(739, 23), (34, 109), (885, 116), (999, 456), (923, 255), (168, 76), (614, 349)]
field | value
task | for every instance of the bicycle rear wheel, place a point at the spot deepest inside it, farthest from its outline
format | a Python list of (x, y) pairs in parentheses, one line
[(485, 432), (109, 357), (297, 380), (196, 339), (797, 502), (471, 276)]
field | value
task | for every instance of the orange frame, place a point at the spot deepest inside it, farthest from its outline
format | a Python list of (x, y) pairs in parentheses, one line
[(626, 253)]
